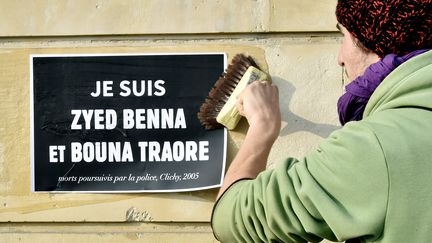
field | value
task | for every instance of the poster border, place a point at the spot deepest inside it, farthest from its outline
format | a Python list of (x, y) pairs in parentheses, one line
[(32, 155)]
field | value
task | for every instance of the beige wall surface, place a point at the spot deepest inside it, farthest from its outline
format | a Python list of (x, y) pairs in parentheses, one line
[(134, 17), (295, 41)]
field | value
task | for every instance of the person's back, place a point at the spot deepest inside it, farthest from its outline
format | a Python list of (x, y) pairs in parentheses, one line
[(401, 117)]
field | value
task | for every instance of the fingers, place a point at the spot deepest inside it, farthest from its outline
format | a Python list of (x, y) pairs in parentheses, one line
[(256, 93), (239, 104), (267, 84), (239, 101)]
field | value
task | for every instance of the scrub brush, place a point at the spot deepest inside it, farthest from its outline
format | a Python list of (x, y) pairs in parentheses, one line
[(219, 107)]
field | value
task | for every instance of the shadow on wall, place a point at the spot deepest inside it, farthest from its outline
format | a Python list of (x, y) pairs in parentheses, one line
[(295, 122)]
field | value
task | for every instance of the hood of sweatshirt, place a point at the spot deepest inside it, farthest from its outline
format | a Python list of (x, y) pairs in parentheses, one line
[(409, 85)]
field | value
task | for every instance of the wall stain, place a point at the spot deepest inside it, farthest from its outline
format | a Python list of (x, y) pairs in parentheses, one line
[(134, 215)]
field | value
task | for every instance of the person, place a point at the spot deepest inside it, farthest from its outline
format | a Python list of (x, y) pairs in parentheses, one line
[(369, 181)]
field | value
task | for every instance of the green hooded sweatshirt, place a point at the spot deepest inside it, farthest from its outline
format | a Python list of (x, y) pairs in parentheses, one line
[(370, 181)]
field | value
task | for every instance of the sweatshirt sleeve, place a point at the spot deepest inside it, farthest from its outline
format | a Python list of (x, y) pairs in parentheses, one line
[(336, 192)]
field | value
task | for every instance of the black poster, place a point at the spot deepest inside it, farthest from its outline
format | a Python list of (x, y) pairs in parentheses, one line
[(124, 123)]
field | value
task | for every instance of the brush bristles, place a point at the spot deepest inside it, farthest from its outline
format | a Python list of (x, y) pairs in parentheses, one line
[(222, 90)]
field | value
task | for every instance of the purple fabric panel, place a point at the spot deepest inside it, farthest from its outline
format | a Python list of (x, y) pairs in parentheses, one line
[(352, 104)]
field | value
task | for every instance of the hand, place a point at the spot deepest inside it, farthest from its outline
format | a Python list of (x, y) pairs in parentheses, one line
[(259, 103)]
